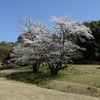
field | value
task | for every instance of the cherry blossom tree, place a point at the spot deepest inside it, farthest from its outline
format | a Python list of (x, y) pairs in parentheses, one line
[(39, 45), (34, 44), (63, 48)]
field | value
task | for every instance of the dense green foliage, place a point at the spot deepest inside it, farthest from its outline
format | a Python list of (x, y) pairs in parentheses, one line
[(4, 50), (92, 52)]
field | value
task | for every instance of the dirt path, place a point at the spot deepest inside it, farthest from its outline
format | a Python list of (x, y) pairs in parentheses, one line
[(9, 71), (12, 90)]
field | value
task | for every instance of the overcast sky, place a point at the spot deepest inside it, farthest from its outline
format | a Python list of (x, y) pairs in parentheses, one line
[(41, 10)]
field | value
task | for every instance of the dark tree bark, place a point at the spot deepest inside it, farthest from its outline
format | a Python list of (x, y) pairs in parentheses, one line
[(35, 66), (54, 68)]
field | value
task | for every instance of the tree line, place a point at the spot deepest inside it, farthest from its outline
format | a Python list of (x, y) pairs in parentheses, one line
[(69, 41), (92, 53)]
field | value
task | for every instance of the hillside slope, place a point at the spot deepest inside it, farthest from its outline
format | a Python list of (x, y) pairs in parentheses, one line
[(13, 90)]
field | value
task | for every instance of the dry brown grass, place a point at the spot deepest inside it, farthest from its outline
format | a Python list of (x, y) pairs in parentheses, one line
[(8, 71), (72, 87), (12, 90)]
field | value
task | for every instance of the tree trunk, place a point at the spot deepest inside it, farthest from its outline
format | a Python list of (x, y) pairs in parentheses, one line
[(35, 66), (54, 73), (54, 69)]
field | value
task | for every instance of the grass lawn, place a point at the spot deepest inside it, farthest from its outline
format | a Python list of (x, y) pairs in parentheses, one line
[(79, 79), (84, 74)]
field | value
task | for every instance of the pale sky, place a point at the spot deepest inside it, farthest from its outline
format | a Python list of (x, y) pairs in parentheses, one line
[(41, 10)]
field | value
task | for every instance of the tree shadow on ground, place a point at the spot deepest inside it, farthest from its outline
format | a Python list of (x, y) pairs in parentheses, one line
[(30, 77), (98, 67)]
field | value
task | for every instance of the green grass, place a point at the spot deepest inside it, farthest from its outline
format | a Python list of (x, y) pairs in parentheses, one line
[(30, 77), (80, 79), (84, 74), (3, 74)]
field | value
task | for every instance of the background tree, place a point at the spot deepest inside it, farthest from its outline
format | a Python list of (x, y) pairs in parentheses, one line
[(4, 52), (92, 52)]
